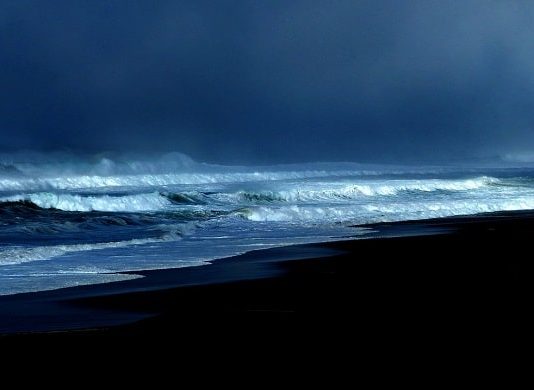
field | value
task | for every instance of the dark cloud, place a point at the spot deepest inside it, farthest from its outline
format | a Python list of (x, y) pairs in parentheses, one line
[(240, 81)]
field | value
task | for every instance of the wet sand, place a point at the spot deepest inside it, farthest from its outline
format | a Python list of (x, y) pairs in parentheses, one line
[(441, 281)]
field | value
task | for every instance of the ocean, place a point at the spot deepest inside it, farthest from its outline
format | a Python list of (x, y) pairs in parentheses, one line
[(68, 221)]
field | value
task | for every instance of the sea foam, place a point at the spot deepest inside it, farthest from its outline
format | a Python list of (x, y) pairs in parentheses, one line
[(121, 215)]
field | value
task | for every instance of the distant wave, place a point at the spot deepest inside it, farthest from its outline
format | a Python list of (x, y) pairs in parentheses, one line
[(161, 180), (68, 164), (42, 172), (357, 191)]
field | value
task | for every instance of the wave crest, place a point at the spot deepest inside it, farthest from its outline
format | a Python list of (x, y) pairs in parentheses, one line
[(373, 213), (69, 202), (362, 190)]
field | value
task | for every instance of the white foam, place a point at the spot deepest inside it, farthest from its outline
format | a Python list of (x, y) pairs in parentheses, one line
[(337, 192), (67, 180), (296, 193), (157, 180), (377, 212), (231, 209), (298, 214), (68, 202)]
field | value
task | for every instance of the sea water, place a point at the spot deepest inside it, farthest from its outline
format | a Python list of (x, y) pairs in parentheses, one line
[(68, 221)]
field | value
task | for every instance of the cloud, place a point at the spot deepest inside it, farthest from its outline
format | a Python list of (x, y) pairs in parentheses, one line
[(247, 81)]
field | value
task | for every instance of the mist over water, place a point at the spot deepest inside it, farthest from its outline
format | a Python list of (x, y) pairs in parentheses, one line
[(251, 82)]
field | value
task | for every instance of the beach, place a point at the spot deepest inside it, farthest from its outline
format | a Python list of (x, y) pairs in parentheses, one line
[(442, 280)]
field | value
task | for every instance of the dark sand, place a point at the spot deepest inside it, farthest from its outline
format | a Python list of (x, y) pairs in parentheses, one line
[(432, 282)]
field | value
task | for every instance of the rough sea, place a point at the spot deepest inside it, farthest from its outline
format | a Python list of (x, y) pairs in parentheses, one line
[(67, 221)]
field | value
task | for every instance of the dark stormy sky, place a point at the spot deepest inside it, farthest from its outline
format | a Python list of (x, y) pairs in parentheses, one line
[(269, 81)]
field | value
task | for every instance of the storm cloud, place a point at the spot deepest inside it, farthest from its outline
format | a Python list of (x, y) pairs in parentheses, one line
[(269, 81)]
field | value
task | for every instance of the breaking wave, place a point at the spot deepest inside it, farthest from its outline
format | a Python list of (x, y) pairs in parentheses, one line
[(68, 202), (36, 172), (357, 191), (367, 214), (160, 201), (62, 213), (81, 182)]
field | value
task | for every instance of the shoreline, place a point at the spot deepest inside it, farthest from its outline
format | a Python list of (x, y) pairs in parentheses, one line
[(459, 269)]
